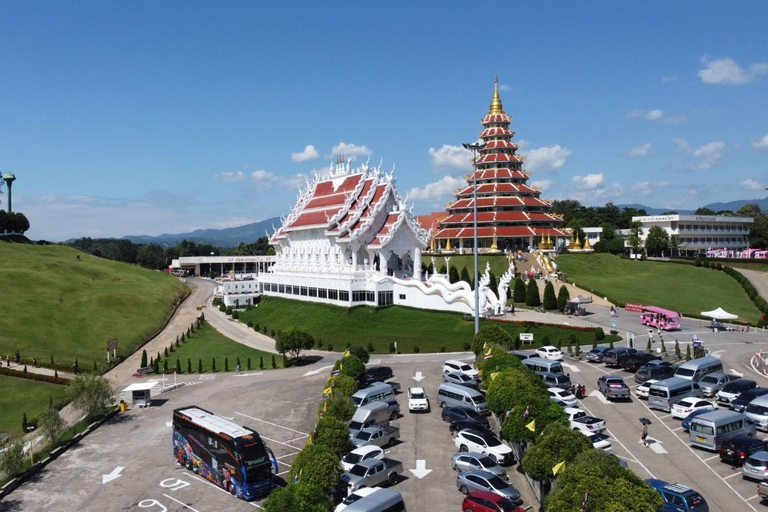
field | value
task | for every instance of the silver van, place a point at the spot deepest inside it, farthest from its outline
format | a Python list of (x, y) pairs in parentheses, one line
[(382, 500), (378, 391), (697, 368), (374, 414), (539, 364), (454, 395), (555, 380), (711, 429), (757, 411), (665, 393)]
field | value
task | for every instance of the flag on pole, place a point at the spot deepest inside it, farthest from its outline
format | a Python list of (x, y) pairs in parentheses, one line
[(527, 413), (325, 406), (335, 373), (310, 439), (485, 346), (558, 468), (494, 375), (327, 391), (531, 426), (488, 355), (346, 353)]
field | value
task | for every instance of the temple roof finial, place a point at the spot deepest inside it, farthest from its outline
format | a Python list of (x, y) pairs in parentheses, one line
[(496, 107)]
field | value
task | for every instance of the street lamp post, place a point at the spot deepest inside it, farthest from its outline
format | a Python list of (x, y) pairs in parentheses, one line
[(475, 147)]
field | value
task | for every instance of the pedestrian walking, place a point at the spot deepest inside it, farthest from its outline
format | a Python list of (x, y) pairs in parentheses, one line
[(237, 370), (644, 436)]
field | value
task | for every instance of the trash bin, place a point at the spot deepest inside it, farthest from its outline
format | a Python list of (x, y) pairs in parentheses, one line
[(123, 406)]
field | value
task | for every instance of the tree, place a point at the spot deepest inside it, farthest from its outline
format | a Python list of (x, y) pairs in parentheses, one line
[(318, 465), (635, 236), (464, 276), (361, 353), (550, 301), (51, 425), (12, 459), (611, 486), (339, 407), (352, 367), (704, 211), (532, 294), (294, 340), (557, 444), (344, 385), (657, 241), (302, 496), (143, 358), (518, 292), (563, 296), (491, 334), (334, 434), (453, 275), (540, 408), (89, 393)]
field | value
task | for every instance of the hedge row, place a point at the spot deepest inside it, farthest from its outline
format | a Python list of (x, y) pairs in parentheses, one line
[(752, 293), (33, 376)]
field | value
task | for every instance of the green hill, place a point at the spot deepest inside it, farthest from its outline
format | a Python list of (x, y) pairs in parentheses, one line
[(56, 305), (683, 288)]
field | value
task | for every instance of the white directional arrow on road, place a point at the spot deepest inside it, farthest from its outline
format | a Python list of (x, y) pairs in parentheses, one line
[(114, 474), (570, 367), (420, 471), (315, 372), (738, 374), (247, 374), (418, 377), (716, 353), (655, 445), (600, 396)]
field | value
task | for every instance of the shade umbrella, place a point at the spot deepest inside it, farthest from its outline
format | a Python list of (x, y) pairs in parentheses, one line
[(645, 421)]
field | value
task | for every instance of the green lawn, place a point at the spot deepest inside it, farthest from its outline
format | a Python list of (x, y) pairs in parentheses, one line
[(19, 396), (430, 331), (498, 263), (55, 305), (683, 288), (208, 344)]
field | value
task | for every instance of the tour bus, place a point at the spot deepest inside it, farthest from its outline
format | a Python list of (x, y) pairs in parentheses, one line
[(539, 365), (666, 393), (223, 452), (660, 318), (697, 368), (711, 429)]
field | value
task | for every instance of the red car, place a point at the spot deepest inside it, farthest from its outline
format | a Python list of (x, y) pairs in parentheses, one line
[(482, 501)]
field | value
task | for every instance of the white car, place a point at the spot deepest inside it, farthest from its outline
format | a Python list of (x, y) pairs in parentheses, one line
[(599, 441), (417, 400), (483, 442), (643, 389), (561, 395), (687, 405), (369, 451), (549, 352), (453, 366), (355, 496)]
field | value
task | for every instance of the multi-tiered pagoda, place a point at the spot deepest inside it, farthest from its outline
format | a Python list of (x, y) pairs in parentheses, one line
[(510, 214)]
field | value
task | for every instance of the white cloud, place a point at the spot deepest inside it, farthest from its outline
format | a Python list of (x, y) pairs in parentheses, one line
[(522, 144), (640, 151), (668, 78), (655, 115), (708, 155), (451, 157), (727, 72), (307, 155), (544, 184), (504, 87), (762, 143), (437, 191), (350, 151), (229, 177), (265, 180), (646, 188), (546, 159), (751, 184), (589, 181)]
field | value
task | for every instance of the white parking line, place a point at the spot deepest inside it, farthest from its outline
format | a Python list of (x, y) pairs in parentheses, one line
[(289, 455), (712, 457), (222, 490), (731, 476), (270, 423), (282, 443), (753, 497), (181, 503)]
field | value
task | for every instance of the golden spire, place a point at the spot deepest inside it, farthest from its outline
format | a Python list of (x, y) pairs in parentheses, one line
[(496, 107)]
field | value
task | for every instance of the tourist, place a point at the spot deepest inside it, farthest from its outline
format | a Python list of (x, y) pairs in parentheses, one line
[(644, 436)]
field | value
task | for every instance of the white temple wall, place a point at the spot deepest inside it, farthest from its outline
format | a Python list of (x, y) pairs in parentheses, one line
[(412, 297)]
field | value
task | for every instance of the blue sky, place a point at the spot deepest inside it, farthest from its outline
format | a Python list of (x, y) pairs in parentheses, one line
[(164, 117)]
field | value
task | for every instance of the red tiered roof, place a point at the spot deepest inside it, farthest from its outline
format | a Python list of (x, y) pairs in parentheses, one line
[(500, 174)]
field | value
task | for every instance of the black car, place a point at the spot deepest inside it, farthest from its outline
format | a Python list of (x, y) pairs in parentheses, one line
[(614, 357), (737, 449), (378, 373), (454, 414), (456, 426), (732, 390), (742, 401), (654, 371), (634, 362)]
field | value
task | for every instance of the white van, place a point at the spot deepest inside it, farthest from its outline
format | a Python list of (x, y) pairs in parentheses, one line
[(757, 411), (454, 395), (378, 391), (711, 429), (697, 368), (665, 393), (541, 365), (382, 500)]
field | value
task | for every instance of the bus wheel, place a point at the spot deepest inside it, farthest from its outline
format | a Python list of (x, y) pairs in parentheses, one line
[(231, 488), (187, 463)]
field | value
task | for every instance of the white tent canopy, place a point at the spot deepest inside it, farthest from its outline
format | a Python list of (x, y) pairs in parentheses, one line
[(719, 314)]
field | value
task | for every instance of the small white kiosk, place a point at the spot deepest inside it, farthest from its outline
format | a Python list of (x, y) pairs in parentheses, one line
[(141, 394)]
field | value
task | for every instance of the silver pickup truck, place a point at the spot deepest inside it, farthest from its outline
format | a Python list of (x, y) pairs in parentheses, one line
[(372, 472), (379, 436), (613, 387)]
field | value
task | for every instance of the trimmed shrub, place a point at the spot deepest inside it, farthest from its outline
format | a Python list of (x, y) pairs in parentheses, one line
[(550, 301), (532, 294), (518, 292), (599, 334)]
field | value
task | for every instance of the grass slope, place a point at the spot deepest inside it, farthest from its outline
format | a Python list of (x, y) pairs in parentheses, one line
[(206, 344), (683, 288), (19, 396), (55, 305), (430, 331)]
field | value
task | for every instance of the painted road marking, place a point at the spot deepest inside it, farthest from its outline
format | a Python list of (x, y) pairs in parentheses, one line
[(222, 490), (571, 367), (319, 370), (600, 397), (181, 503), (273, 424)]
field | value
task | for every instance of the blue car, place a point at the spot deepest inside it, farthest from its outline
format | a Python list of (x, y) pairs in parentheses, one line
[(687, 420), (679, 498)]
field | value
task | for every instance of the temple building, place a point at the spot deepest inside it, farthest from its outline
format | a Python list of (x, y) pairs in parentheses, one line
[(510, 214)]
